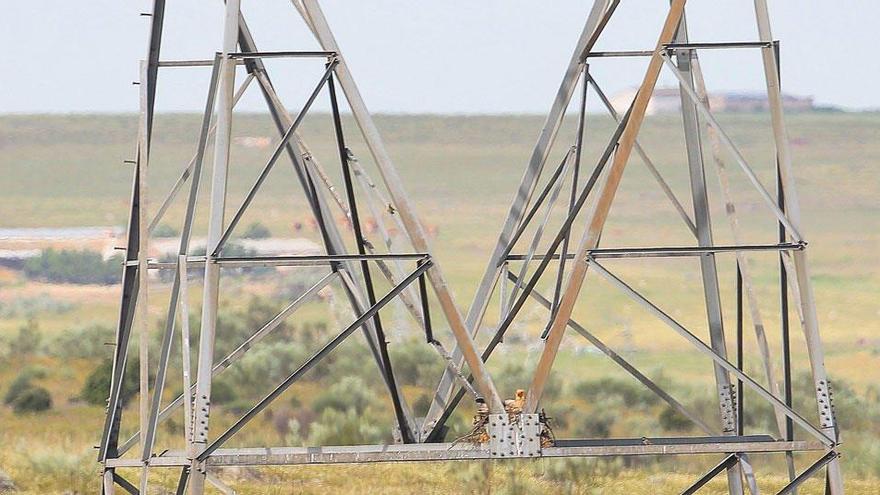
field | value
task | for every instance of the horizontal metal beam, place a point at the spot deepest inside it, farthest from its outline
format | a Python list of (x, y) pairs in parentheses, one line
[(621, 53), (700, 346), (618, 442), (278, 456), (680, 46), (187, 63), (310, 363), (674, 251), (718, 45), (328, 258), (282, 54), (308, 260)]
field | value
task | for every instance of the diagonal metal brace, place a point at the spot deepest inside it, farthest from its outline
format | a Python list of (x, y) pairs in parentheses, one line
[(311, 362)]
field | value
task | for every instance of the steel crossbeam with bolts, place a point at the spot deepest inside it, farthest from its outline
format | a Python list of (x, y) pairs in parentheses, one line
[(542, 256)]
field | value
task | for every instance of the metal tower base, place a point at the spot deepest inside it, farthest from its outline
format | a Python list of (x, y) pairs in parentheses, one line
[(412, 270)]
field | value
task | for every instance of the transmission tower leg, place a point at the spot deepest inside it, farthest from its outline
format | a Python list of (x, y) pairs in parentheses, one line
[(708, 267), (599, 213), (414, 229), (210, 297), (518, 208), (333, 243), (827, 421)]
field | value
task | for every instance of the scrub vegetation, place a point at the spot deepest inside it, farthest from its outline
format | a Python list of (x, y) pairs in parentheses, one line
[(58, 313)]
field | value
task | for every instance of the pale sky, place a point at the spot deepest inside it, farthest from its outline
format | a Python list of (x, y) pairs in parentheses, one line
[(449, 56)]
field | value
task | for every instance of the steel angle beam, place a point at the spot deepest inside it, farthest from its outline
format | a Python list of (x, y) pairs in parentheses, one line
[(629, 368), (242, 349), (702, 347), (280, 456), (310, 363), (600, 210), (708, 267)]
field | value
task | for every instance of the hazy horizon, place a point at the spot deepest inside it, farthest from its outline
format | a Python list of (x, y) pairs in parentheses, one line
[(496, 57)]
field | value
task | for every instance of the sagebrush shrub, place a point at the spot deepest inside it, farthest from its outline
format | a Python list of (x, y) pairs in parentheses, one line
[(33, 399)]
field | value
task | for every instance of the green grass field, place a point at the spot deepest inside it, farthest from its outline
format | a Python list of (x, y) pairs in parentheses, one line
[(461, 173)]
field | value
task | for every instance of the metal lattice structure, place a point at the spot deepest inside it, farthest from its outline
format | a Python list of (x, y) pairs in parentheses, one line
[(563, 263)]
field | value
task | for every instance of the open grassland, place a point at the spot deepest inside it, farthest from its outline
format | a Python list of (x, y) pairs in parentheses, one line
[(461, 172)]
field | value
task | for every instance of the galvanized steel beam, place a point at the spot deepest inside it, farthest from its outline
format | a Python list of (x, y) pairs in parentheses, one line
[(599, 213), (414, 228)]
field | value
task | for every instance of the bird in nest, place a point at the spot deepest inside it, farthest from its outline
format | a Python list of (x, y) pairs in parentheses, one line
[(515, 406)]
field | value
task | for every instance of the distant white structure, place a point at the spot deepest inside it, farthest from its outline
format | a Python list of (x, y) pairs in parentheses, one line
[(273, 246), (668, 100)]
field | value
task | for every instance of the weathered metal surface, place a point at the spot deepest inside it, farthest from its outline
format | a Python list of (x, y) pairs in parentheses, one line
[(516, 436), (600, 210), (279, 456)]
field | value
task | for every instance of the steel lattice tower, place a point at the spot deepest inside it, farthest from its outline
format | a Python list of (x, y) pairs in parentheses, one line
[(564, 263)]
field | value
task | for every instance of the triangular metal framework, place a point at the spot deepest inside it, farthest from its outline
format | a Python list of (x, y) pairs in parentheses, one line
[(676, 53), (422, 440)]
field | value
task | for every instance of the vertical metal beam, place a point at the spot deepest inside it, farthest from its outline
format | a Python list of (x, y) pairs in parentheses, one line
[(405, 428), (708, 268), (185, 353), (180, 275), (788, 432), (740, 402), (600, 210), (211, 293), (108, 487), (300, 156), (182, 481), (523, 195), (738, 238), (414, 228), (157, 22), (783, 283), (142, 305), (807, 301), (579, 148), (149, 76), (110, 436)]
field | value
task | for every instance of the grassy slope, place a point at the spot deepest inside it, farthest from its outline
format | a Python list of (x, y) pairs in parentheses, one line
[(461, 172)]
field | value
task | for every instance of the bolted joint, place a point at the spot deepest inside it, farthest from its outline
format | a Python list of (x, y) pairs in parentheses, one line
[(726, 398), (823, 401)]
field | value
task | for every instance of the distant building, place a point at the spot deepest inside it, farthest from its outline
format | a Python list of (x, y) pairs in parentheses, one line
[(668, 100)]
